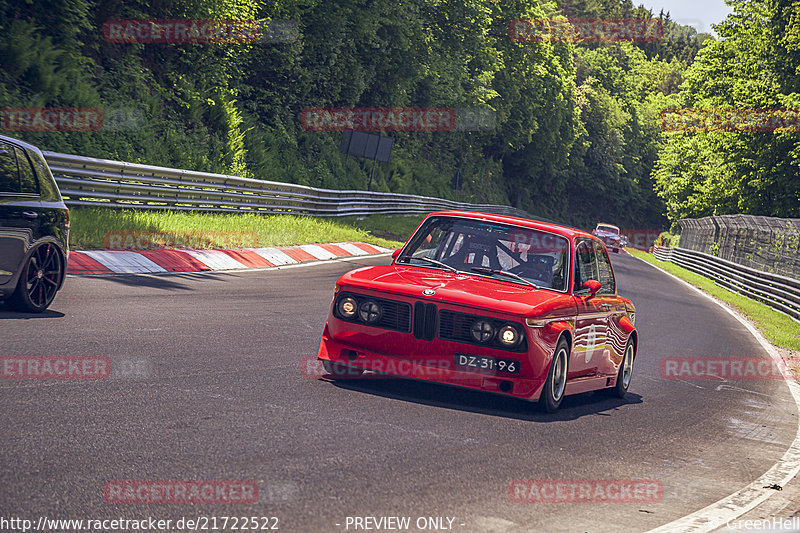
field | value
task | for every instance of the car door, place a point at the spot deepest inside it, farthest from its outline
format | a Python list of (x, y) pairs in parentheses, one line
[(19, 209), (592, 315), (616, 337)]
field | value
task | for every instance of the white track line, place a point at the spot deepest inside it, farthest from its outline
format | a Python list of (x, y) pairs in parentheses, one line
[(732, 507)]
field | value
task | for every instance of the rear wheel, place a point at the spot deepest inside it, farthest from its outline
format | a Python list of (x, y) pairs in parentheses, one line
[(556, 383), (338, 370), (39, 280), (625, 372)]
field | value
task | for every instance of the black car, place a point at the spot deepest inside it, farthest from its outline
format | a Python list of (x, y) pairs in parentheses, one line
[(34, 228)]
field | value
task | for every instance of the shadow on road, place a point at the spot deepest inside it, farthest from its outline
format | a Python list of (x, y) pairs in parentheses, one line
[(170, 281), (6, 313), (573, 407)]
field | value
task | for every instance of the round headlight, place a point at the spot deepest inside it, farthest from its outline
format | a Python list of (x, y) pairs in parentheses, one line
[(347, 307), (370, 312), (482, 331), (508, 335)]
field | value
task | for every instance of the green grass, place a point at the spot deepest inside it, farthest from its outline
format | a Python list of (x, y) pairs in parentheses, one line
[(90, 227), (392, 228), (777, 327)]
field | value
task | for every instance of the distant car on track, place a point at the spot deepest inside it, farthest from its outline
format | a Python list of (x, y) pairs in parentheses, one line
[(34, 228), (609, 234), (487, 302)]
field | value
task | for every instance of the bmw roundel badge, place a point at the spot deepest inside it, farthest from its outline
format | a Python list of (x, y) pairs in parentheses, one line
[(429, 292)]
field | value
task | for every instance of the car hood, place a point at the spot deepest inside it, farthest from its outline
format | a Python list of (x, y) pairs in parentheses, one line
[(475, 292)]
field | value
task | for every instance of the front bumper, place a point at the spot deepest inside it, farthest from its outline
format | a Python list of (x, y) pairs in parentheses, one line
[(437, 367)]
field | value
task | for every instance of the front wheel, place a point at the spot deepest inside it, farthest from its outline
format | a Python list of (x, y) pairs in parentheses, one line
[(625, 371), (338, 370), (556, 383), (39, 280)]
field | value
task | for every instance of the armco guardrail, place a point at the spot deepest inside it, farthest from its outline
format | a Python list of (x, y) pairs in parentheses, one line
[(105, 183), (779, 292)]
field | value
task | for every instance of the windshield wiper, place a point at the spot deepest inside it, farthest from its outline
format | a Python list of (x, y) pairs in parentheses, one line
[(504, 273), (438, 263)]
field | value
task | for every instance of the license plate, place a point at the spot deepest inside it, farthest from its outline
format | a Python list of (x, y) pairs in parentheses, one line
[(482, 362)]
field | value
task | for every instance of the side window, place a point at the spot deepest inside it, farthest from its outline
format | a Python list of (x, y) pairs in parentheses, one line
[(585, 264), (28, 182), (606, 274), (9, 174)]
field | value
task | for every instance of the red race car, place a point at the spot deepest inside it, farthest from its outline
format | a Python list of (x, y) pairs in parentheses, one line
[(487, 302)]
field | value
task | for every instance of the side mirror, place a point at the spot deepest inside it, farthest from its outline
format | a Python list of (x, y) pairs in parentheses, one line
[(593, 285), (396, 253)]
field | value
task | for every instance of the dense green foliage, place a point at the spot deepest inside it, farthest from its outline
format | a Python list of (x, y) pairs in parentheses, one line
[(576, 138), (756, 65)]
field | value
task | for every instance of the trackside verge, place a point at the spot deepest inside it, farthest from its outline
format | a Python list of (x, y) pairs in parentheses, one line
[(95, 262)]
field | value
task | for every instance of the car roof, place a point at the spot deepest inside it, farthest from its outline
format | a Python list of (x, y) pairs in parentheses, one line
[(607, 224), (19, 142), (559, 229)]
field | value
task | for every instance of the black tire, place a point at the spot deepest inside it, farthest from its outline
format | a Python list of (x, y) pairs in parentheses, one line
[(338, 370), (39, 280), (625, 371), (556, 383)]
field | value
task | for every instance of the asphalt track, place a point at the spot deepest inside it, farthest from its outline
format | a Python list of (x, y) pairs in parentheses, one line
[(211, 388)]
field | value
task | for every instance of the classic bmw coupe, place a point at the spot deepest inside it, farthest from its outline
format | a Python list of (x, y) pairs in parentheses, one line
[(487, 302)]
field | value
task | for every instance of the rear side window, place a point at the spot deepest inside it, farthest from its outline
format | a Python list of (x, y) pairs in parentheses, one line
[(28, 182), (9, 174)]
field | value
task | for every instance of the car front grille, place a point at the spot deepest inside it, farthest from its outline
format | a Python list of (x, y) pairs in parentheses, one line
[(425, 321)]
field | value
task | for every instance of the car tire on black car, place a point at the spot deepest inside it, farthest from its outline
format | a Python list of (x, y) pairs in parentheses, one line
[(39, 280), (556, 383)]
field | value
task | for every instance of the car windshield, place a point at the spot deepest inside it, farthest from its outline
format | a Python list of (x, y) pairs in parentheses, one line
[(608, 229), (510, 253)]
